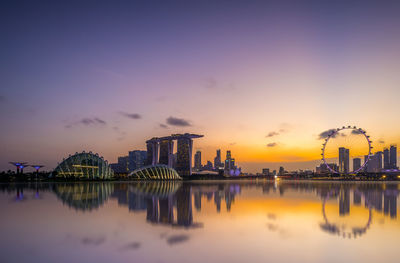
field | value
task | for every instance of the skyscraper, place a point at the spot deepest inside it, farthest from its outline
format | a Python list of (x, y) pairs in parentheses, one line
[(356, 164), (386, 160), (229, 163), (378, 157), (137, 159), (184, 156), (217, 160), (344, 160), (393, 157), (197, 160)]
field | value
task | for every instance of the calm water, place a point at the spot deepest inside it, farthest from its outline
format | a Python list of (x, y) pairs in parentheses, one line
[(200, 222)]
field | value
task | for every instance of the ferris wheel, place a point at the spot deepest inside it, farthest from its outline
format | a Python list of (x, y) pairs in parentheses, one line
[(338, 145)]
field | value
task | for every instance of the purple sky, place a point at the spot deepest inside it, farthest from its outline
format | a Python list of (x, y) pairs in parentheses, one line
[(105, 76)]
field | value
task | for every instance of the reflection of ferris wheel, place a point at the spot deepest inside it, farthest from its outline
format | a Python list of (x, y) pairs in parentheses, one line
[(334, 133), (336, 229)]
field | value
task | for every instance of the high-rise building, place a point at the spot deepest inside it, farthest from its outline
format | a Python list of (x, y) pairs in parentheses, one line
[(356, 164), (217, 160), (344, 160), (281, 170), (208, 166), (386, 159), (197, 161), (122, 167), (184, 156), (265, 171), (137, 159), (393, 157), (372, 165), (230, 167), (378, 157)]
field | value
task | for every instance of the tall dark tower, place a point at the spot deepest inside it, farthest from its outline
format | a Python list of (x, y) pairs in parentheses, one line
[(184, 158), (386, 159), (393, 157)]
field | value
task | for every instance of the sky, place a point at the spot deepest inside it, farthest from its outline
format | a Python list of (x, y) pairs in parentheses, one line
[(260, 78)]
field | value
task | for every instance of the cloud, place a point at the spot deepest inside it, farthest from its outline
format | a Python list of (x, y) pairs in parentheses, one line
[(232, 143), (86, 122), (89, 121), (99, 121), (325, 134), (210, 83), (271, 216), (356, 132), (381, 141), (272, 144), (272, 227), (133, 116), (178, 122), (163, 126), (131, 246), (93, 241), (272, 134), (176, 239)]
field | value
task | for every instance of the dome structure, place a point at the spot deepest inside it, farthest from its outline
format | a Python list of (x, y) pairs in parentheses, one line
[(155, 172), (84, 166)]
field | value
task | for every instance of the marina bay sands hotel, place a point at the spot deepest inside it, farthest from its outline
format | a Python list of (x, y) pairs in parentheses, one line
[(160, 151)]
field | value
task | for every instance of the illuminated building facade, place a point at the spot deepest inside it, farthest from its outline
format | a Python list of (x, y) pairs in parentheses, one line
[(155, 172), (85, 166)]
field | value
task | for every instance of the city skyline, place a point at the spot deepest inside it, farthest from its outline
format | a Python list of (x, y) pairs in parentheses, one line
[(264, 80)]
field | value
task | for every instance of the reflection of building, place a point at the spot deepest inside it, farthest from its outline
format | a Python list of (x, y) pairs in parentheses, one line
[(83, 196), (344, 202), (344, 160), (84, 165), (390, 204)]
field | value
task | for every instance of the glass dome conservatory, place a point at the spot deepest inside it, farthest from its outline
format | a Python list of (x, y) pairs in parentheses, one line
[(84, 166), (155, 172)]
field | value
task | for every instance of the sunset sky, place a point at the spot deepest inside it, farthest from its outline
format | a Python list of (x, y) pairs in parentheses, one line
[(262, 79)]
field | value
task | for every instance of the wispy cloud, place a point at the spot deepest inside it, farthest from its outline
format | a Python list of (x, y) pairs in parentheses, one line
[(210, 83), (381, 142), (173, 240), (178, 122), (356, 132), (93, 241), (272, 134), (87, 122), (272, 144), (162, 125), (134, 116), (131, 246)]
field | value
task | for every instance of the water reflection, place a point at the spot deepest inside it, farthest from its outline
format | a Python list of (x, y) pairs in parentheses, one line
[(173, 203)]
